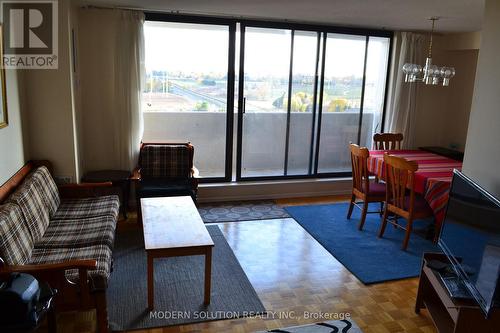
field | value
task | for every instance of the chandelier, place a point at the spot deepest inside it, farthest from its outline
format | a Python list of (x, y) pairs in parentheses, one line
[(429, 74)]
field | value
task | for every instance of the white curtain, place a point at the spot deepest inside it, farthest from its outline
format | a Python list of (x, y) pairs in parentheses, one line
[(402, 101), (111, 49)]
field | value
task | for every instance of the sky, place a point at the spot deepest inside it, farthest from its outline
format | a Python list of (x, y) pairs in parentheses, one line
[(204, 48)]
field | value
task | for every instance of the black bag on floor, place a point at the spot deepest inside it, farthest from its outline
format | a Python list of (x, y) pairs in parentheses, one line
[(23, 301)]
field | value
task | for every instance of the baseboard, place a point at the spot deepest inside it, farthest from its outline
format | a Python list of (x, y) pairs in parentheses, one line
[(273, 190), (270, 196), (241, 191)]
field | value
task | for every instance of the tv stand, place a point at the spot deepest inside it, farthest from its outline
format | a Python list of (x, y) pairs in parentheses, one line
[(450, 315)]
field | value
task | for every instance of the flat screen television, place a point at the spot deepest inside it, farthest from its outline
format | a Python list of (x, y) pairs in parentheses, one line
[(470, 238)]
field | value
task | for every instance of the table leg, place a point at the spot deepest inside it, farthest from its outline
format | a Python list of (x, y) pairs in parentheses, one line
[(208, 274), (151, 301)]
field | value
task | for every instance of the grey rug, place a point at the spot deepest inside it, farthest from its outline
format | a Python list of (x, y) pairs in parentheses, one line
[(178, 286), (241, 211), (344, 326)]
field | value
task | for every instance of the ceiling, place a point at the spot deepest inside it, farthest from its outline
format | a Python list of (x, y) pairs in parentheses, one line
[(456, 15)]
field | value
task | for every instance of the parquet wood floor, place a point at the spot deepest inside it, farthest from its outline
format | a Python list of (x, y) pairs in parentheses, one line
[(292, 272)]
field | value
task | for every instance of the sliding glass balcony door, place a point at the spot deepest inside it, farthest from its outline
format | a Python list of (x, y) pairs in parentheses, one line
[(303, 97), (278, 67)]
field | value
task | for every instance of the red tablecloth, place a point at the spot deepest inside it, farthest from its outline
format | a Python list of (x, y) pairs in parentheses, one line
[(432, 179)]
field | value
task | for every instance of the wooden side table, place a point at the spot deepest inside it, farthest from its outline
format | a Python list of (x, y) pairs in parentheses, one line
[(119, 178), (448, 314)]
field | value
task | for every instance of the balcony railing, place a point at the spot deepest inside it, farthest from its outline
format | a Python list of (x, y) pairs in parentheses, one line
[(264, 139)]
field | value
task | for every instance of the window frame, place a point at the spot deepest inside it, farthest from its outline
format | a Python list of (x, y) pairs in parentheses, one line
[(231, 24), (322, 30)]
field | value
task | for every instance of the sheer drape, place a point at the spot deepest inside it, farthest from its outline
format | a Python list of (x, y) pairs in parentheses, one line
[(402, 101), (112, 68)]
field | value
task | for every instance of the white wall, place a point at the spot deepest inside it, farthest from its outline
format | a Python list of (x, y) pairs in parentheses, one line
[(482, 152), (11, 137), (437, 105)]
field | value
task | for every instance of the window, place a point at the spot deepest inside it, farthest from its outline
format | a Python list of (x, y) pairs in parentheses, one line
[(185, 97), (299, 94)]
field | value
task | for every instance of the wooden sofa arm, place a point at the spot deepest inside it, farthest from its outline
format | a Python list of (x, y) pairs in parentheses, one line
[(55, 275), (86, 190), (46, 268), (136, 175)]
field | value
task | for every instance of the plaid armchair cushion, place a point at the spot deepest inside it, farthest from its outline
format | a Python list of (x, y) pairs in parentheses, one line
[(84, 208), (29, 197), (101, 253), (16, 243), (48, 189), (166, 161), (79, 233)]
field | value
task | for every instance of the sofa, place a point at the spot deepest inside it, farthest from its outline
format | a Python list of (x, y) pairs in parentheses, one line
[(61, 235)]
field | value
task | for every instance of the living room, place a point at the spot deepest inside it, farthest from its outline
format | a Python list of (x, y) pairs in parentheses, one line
[(266, 109)]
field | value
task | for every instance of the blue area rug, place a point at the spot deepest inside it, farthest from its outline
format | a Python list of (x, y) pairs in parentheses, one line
[(369, 258)]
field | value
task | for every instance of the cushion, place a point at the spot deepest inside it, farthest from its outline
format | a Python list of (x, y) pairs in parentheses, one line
[(165, 161), (377, 189), (48, 187), (83, 208), (79, 233), (164, 188), (29, 197), (100, 253), (421, 206), (16, 243)]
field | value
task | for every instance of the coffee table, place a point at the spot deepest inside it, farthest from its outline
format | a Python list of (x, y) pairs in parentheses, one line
[(173, 228)]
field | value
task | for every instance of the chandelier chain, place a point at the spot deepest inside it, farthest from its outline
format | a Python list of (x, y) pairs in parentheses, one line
[(433, 19)]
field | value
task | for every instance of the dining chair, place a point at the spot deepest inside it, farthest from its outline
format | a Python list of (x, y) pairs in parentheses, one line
[(401, 198), (387, 141), (362, 188)]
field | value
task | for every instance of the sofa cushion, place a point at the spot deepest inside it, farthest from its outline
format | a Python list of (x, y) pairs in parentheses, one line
[(164, 188), (48, 187), (88, 207), (101, 253), (79, 233), (165, 161), (29, 198), (16, 243)]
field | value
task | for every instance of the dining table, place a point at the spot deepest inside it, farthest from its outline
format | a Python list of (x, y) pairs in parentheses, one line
[(432, 178)]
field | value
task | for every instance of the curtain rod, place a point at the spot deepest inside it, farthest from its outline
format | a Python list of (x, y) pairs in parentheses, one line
[(222, 15)]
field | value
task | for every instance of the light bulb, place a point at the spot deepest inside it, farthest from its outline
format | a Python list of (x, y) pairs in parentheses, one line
[(447, 73), (407, 68), (433, 70), (416, 69)]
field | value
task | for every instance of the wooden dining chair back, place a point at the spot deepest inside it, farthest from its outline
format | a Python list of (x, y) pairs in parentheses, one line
[(401, 198), (400, 176), (359, 161), (387, 141), (362, 189)]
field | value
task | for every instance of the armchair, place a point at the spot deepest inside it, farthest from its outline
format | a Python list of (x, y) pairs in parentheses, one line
[(165, 169)]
